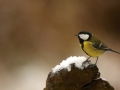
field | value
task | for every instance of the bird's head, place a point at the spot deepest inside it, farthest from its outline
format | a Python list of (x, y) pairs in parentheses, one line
[(84, 36)]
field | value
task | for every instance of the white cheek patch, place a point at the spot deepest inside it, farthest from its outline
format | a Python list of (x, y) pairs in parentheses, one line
[(84, 36)]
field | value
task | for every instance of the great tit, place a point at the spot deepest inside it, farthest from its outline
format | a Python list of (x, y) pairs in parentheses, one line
[(91, 45)]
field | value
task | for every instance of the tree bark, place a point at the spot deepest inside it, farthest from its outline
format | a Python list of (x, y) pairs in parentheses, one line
[(77, 79)]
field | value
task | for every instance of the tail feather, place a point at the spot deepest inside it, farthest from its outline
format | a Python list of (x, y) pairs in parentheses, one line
[(113, 51)]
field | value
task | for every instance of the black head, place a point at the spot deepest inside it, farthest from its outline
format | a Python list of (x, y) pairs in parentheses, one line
[(84, 36)]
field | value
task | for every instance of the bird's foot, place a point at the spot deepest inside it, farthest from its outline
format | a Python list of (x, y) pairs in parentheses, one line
[(86, 63)]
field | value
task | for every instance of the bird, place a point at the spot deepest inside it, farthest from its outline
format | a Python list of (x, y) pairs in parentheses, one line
[(92, 46)]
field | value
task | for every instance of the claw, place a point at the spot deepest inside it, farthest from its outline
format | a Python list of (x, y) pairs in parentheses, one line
[(87, 61)]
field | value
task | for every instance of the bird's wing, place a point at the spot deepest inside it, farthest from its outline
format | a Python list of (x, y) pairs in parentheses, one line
[(98, 44), (101, 46)]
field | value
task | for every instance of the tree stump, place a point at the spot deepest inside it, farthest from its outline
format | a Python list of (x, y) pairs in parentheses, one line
[(77, 79)]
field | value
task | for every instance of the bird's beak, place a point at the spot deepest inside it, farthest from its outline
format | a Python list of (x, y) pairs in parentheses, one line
[(76, 34)]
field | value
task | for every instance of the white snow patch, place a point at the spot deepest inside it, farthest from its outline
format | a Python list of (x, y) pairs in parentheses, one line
[(66, 64), (103, 78)]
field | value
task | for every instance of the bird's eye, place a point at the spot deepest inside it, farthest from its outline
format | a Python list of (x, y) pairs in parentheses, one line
[(84, 36)]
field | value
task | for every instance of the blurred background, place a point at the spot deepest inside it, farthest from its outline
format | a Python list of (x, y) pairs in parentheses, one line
[(36, 35)]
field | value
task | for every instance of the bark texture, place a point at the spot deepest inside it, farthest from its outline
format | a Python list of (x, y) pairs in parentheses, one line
[(77, 79)]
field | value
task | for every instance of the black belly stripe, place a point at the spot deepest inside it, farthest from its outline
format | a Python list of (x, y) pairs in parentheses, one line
[(82, 45)]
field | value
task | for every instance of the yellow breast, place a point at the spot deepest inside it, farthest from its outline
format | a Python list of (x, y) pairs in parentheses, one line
[(91, 51)]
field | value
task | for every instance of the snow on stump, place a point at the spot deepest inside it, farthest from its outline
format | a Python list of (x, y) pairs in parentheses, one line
[(72, 74)]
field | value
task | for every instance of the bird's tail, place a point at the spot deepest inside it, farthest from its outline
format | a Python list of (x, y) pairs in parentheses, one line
[(113, 51)]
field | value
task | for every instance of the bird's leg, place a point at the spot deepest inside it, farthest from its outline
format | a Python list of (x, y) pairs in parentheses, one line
[(88, 58), (83, 64), (96, 61)]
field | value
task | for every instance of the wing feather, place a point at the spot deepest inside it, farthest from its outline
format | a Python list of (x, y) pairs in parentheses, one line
[(98, 44)]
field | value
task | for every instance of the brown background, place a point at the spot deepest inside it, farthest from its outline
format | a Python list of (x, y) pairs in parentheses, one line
[(36, 35)]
